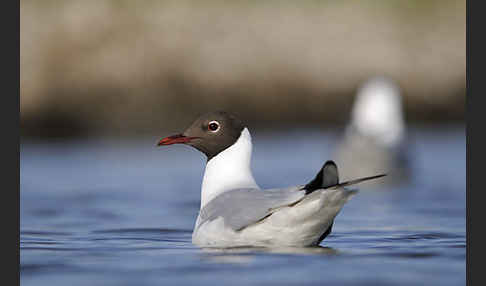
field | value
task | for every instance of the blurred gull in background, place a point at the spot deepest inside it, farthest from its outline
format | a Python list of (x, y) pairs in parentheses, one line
[(375, 139)]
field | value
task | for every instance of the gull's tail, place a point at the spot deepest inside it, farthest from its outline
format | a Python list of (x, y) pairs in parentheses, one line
[(328, 177)]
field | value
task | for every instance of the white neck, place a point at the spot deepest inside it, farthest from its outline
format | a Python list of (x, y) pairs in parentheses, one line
[(228, 170)]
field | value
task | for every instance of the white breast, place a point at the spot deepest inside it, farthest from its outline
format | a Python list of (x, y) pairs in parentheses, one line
[(229, 170)]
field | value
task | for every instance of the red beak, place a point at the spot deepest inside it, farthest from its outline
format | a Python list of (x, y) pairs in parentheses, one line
[(175, 139)]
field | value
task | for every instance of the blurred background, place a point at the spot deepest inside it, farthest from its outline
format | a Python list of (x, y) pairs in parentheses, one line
[(379, 86), (90, 68)]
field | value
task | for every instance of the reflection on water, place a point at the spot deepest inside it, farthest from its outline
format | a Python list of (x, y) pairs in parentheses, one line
[(281, 250), (247, 254), (100, 213)]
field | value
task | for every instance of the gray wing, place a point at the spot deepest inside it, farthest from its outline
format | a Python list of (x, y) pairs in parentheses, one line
[(242, 207)]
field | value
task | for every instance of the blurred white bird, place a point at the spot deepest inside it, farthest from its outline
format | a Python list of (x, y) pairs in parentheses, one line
[(375, 139)]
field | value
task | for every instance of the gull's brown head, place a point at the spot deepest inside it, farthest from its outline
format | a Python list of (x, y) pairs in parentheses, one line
[(211, 133)]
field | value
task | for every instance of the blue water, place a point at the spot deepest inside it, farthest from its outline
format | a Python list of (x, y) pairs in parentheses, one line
[(121, 212)]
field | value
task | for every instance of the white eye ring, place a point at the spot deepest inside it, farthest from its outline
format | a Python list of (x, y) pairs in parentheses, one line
[(212, 124)]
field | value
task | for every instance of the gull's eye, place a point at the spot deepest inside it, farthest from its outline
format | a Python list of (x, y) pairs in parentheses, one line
[(213, 126)]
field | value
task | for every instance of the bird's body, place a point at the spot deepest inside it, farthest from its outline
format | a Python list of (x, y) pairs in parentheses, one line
[(234, 211), (375, 139), (299, 222)]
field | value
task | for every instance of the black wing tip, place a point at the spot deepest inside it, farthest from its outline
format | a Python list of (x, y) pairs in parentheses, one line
[(327, 176), (377, 176), (357, 181), (329, 162)]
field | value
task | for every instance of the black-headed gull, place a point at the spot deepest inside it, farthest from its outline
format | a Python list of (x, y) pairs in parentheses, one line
[(236, 212)]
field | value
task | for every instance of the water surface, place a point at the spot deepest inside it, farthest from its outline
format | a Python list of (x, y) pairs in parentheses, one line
[(121, 212)]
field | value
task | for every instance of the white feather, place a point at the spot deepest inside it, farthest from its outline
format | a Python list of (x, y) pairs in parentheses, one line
[(230, 169)]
